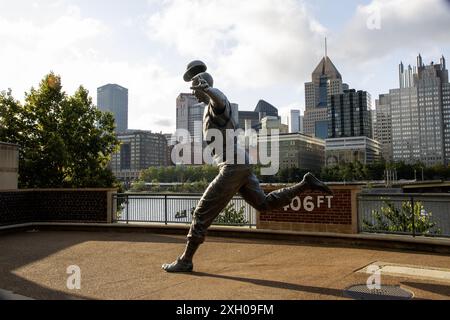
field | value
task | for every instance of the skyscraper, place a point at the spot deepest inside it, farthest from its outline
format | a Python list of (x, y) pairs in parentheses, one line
[(405, 124), (419, 113), (350, 129), (114, 98), (326, 81), (349, 115), (431, 82), (190, 115), (294, 121), (383, 125), (302, 124)]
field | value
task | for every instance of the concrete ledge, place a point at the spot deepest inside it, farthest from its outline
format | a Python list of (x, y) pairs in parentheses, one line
[(374, 241), (16, 228)]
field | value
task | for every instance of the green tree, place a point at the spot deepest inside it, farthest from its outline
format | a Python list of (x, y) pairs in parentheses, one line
[(392, 219), (65, 140), (375, 171), (138, 186), (12, 121)]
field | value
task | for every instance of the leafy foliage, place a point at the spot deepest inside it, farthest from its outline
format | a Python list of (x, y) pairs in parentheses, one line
[(65, 141), (180, 174), (392, 219), (231, 216)]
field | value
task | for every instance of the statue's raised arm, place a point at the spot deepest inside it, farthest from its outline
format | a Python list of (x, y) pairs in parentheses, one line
[(203, 84)]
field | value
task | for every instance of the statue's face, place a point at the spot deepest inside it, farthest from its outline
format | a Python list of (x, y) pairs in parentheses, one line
[(201, 96)]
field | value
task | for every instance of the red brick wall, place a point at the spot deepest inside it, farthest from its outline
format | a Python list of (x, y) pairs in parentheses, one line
[(340, 212), (314, 212)]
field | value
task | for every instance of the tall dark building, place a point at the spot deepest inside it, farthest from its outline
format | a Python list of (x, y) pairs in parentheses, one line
[(114, 98), (349, 115), (252, 119), (139, 150), (265, 109)]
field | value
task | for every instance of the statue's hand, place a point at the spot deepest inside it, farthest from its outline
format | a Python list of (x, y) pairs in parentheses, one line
[(200, 85)]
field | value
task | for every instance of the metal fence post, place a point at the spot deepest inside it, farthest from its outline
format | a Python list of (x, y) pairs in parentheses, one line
[(250, 216), (413, 217), (128, 211), (165, 209)]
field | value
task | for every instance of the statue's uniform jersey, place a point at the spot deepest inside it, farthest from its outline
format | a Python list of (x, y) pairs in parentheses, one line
[(222, 122)]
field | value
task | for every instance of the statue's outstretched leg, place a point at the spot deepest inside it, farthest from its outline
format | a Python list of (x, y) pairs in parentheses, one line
[(219, 193), (255, 196)]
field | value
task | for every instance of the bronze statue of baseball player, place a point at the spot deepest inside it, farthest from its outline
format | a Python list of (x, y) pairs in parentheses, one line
[(233, 178)]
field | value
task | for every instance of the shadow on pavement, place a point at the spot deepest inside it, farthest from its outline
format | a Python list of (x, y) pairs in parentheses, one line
[(276, 284)]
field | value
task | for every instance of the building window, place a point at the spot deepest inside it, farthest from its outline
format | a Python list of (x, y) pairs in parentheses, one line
[(125, 156)]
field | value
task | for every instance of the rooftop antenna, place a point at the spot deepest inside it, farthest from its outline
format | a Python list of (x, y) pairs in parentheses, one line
[(326, 47)]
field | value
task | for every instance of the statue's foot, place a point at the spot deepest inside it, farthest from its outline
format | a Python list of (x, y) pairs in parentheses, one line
[(315, 184), (178, 266)]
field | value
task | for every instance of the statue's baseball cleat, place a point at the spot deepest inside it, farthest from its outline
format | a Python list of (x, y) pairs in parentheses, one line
[(315, 184), (179, 266)]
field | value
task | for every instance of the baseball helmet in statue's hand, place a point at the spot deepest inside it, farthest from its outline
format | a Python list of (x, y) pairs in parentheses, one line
[(193, 69)]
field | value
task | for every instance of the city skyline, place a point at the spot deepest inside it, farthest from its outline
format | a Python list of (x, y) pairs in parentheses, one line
[(413, 118), (143, 47)]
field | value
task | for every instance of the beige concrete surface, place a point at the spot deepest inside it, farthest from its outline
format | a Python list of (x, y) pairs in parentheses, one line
[(127, 266), (411, 271)]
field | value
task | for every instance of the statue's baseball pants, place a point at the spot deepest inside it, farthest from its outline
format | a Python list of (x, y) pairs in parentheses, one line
[(233, 179)]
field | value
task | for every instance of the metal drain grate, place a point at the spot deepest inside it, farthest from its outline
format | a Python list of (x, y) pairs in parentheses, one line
[(361, 292)]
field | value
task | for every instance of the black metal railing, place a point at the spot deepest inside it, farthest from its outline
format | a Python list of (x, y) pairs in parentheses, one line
[(408, 214), (175, 209)]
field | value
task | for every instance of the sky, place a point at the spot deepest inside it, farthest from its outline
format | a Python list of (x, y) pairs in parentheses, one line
[(255, 49)]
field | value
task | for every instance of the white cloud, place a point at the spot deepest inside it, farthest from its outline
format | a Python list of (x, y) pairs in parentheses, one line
[(416, 25), (68, 45), (254, 43), (29, 50)]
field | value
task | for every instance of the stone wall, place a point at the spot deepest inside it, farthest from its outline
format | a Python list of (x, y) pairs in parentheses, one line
[(9, 166), (315, 212), (58, 205)]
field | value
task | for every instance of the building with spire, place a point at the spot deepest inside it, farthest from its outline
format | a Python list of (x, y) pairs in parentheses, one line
[(413, 121), (326, 81)]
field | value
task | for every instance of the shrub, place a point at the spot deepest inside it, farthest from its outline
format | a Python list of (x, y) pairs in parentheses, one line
[(392, 219), (232, 216)]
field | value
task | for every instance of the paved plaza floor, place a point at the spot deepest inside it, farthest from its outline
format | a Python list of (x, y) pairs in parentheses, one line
[(128, 266)]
